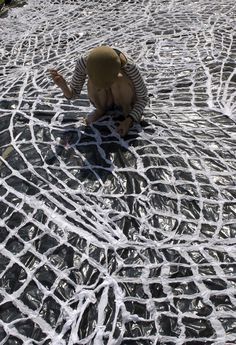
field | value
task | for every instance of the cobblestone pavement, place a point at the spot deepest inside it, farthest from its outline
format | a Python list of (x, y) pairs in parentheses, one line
[(113, 241)]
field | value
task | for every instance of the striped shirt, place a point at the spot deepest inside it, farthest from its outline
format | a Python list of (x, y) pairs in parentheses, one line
[(130, 69)]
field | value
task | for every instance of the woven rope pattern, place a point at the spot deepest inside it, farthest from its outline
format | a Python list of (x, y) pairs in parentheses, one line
[(112, 241)]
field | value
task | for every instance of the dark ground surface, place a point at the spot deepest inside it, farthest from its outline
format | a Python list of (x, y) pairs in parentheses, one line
[(119, 241)]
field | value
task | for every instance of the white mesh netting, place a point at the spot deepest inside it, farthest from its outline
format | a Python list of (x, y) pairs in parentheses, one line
[(113, 241)]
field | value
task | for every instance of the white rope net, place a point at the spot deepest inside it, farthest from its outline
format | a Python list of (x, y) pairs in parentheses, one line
[(119, 241)]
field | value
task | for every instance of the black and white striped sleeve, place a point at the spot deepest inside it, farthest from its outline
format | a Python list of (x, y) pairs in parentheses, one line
[(78, 77), (133, 73)]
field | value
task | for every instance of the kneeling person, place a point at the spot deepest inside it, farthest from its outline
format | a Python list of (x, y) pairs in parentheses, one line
[(113, 79)]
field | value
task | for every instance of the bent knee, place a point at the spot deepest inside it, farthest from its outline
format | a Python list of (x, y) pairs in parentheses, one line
[(122, 82), (123, 90), (100, 98)]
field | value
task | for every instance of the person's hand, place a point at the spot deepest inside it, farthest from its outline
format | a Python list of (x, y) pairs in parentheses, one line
[(61, 82), (57, 78), (124, 126)]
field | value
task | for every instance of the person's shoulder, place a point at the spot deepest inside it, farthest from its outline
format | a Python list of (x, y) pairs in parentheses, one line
[(82, 58), (130, 64)]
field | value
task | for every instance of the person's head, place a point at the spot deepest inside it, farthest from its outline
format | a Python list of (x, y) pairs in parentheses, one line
[(103, 66)]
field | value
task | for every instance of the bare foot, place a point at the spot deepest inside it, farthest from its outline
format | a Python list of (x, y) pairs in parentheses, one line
[(94, 116)]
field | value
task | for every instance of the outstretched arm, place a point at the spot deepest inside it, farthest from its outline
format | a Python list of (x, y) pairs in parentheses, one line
[(72, 89)]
